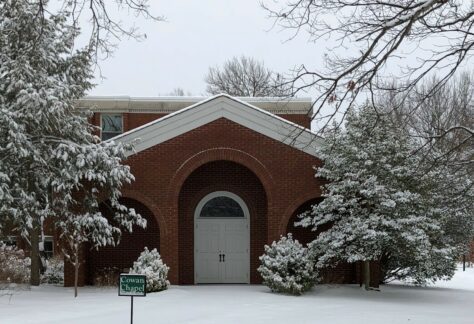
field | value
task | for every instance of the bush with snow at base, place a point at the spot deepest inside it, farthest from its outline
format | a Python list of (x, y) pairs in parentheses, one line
[(107, 276), (287, 268), (14, 266), (54, 273), (149, 263)]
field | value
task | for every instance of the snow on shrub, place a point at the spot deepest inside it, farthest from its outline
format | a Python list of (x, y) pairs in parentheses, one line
[(149, 263), (54, 273), (14, 266), (107, 276), (286, 267)]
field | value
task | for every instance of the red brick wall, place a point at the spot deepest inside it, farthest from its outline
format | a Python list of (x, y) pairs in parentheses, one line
[(285, 173), (286, 177), (299, 119), (130, 246), (134, 120)]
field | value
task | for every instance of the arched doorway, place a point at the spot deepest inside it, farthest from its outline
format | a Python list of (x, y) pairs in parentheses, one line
[(221, 239), (243, 191), (112, 260)]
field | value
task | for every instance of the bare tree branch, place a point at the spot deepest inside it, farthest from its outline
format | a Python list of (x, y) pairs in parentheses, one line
[(106, 28), (371, 37)]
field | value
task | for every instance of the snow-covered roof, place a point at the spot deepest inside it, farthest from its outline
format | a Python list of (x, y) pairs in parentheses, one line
[(121, 104), (213, 108)]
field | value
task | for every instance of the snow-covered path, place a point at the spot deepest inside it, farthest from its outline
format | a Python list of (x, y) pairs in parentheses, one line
[(447, 302)]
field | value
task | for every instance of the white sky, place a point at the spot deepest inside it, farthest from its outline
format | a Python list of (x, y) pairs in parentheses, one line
[(198, 34)]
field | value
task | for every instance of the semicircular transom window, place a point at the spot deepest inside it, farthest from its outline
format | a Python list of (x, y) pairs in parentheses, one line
[(222, 207)]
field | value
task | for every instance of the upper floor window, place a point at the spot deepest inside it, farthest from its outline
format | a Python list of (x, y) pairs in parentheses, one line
[(111, 125)]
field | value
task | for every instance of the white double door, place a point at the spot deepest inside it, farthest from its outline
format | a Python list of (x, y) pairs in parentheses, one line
[(222, 248)]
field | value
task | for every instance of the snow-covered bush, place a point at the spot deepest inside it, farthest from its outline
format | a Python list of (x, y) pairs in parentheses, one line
[(286, 267), (149, 263), (107, 276), (14, 266), (54, 273)]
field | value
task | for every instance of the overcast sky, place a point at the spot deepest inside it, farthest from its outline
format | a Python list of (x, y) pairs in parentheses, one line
[(198, 34)]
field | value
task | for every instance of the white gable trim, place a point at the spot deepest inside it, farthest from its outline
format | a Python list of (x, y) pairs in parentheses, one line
[(213, 108)]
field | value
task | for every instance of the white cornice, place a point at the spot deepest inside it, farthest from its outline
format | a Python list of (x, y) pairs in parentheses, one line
[(221, 106), (159, 105)]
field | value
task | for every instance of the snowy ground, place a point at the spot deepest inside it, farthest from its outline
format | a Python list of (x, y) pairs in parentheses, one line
[(447, 302)]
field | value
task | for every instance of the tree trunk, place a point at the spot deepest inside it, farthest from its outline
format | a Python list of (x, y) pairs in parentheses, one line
[(35, 257), (76, 274), (367, 275)]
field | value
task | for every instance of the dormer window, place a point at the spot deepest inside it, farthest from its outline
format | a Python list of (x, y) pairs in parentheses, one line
[(111, 125)]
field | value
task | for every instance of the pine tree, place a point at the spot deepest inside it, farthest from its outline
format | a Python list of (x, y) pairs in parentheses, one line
[(52, 166), (383, 204)]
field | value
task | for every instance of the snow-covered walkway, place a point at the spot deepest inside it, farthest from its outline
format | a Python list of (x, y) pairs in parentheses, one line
[(447, 302)]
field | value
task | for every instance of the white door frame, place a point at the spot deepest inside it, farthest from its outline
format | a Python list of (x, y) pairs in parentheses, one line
[(198, 220)]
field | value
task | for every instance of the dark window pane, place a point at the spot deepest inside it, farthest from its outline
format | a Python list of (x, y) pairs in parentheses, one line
[(48, 248), (106, 136), (222, 207), (111, 123)]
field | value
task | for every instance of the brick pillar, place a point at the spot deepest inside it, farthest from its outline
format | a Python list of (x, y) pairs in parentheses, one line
[(273, 221), (169, 245)]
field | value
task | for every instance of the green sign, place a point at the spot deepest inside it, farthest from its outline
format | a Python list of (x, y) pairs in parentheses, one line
[(132, 285)]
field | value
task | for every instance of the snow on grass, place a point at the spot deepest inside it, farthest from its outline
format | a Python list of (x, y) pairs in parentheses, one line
[(446, 302)]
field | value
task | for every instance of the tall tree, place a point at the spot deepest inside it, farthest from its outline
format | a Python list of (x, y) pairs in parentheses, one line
[(450, 107), (371, 38), (382, 204), (51, 164), (244, 77)]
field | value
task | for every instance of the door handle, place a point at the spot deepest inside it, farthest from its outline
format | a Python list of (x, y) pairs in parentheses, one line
[(223, 258), (220, 257)]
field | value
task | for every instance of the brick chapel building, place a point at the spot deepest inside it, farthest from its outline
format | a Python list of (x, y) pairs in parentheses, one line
[(216, 179)]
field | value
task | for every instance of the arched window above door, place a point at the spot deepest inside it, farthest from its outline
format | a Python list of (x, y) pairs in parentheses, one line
[(221, 204)]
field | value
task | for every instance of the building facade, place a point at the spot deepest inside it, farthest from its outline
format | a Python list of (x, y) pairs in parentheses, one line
[(216, 179)]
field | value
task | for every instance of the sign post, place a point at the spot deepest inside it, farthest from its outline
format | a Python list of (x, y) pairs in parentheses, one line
[(133, 285)]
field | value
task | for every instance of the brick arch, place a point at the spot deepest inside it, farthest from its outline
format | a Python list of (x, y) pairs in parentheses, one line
[(112, 260), (221, 175), (343, 272), (293, 208), (220, 154), (148, 203)]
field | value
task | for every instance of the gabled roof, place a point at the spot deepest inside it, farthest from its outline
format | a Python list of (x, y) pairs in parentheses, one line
[(213, 108)]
